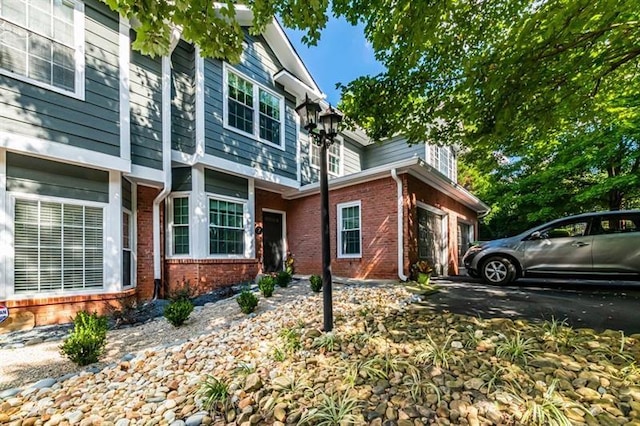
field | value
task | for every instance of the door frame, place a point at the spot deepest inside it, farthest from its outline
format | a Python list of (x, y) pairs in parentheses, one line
[(471, 236), (445, 233), (285, 245)]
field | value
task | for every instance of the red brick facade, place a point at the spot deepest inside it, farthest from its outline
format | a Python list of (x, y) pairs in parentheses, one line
[(205, 275), (144, 238)]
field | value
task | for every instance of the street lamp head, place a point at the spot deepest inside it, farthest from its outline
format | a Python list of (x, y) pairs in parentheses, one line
[(330, 120), (308, 112)]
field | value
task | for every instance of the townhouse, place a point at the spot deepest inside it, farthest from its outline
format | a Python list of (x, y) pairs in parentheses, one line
[(123, 175)]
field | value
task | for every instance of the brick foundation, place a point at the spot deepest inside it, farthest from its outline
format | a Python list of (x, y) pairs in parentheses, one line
[(205, 275)]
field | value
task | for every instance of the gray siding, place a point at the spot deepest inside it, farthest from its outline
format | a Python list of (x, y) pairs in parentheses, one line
[(145, 75), (33, 175), (224, 184), (94, 123), (126, 195), (183, 98), (395, 149), (181, 179), (353, 156), (258, 63)]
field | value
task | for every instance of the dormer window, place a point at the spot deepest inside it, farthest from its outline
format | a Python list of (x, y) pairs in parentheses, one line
[(42, 43), (253, 110), (443, 159)]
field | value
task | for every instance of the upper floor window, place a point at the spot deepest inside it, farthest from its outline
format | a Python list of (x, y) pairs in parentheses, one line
[(333, 157), (444, 160), (253, 110), (42, 43)]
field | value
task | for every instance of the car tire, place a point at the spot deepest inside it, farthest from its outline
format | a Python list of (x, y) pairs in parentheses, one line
[(498, 270)]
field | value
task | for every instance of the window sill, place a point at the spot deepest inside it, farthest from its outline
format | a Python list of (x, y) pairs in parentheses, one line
[(281, 147), (79, 94)]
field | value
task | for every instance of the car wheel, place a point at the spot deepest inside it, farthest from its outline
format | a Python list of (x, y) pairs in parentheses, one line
[(498, 270)]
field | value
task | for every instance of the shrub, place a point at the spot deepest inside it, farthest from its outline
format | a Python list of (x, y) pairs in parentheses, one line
[(247, 301), (87, 340), (178, 311), (283, 278), (183, 291), (316, 283), (267, 285)]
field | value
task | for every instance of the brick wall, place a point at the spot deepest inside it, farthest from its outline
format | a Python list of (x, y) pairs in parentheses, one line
[(379, 231), (205, 275), (416, 191), (144, 238)]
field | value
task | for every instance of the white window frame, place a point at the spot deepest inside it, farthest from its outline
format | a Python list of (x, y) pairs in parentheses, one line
[(339, 229), (130, 249), (340, 156), (12, 197), (246, 229), (170, 225), (433, 154), (79, 38), (226, 69)]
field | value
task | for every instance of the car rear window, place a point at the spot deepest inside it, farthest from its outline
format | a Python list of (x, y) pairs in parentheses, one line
[(620, 223)]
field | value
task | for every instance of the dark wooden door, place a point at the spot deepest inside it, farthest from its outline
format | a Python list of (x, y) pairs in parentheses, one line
[(272, 242)]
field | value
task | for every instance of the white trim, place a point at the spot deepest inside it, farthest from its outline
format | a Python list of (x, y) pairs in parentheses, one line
[(444, 217), (134, 236), (242, 170), (6, 227), (226, 68), (298, 149), (200, 117), (199, 213), (169, 246), (113, 235), (146, 173), (340, 207), (249, 230), (294, 85), (126, 211), (11, 198), (61, 152), (125, 107), (285, 243), (78, 38), (249, 247), (400, 227)]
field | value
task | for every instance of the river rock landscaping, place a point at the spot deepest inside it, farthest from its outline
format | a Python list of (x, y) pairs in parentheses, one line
[(388, 361)]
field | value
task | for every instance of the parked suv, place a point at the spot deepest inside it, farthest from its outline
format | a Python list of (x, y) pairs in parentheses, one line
[(603, 243)]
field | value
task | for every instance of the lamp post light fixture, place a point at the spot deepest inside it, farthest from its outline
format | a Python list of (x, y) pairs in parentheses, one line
[(322, 128)]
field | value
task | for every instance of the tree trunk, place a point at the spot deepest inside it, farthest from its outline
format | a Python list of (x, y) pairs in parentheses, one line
[(615, 195)]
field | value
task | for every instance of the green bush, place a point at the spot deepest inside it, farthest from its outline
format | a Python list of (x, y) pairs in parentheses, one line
[(87, 340), (316, 283), (283, 278), (247, 301), (178, 311), (267, 285)]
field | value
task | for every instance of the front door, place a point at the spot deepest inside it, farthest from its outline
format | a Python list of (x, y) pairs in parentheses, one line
[(431, 240), (272, 242)]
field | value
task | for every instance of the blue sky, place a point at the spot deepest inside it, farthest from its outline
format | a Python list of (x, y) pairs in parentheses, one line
[(342, 54)]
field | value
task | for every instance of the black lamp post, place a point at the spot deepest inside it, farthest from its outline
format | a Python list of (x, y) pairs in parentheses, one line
[(323, 136)]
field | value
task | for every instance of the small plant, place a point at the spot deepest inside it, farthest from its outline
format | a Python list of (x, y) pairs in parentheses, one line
[(278, 354), (294, 384), (516, 348), (244, 369), (421, 272), (291, 339), (616, 355), (332, 410), (289, 264), (267, 285), (316, 283), (247, 301), (328, 341), (419, 388), (215, 394), (178, 311), (436, 355), (86, 342), (283, 279), (367, 369), (547, 410)]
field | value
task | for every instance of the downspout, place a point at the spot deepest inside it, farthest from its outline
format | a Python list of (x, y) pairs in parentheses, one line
[(166, 163), (401, 274)]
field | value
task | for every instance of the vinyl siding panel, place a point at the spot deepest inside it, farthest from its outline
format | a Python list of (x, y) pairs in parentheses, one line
[(353, 154), (31, 175), (395, 149), (145, 85), (258, 63), (93, 123), (181, 179), (183, 97), (223, 184)]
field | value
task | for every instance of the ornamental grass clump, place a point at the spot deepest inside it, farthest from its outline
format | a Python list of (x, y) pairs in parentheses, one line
[(267, 285), (87, 340), (247, 301), (316, 283)]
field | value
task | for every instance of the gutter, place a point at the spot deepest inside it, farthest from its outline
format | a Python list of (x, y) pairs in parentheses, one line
[(401, 275), (166, 163)]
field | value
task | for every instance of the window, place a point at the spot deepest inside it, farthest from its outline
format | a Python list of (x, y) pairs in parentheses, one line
[(126, 248), (226, 227), (42, 42), (333, 157), (444, 160), (349, 230), (180, 226), (58, 247), (567, 229), (620, 223), (253, 110)]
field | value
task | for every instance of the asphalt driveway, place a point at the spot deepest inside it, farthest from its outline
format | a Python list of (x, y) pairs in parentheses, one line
[(583, 303)]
